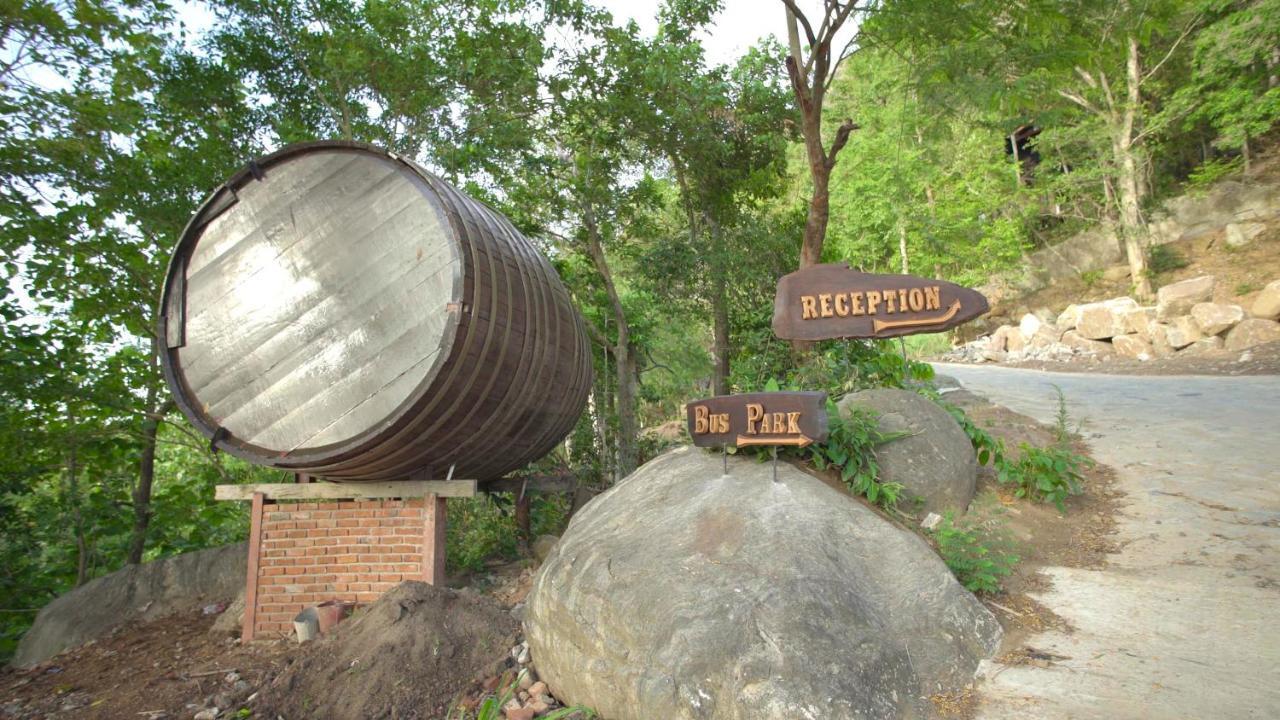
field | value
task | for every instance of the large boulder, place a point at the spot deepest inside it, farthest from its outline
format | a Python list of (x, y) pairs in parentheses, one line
[(1138, 320), (1254, 331), (1084, 345), (1103, 320), (1215, 318), (933, 459), (1182, 331), (685, 593), (136, 593), (1132, 346), (1178, 298), (1267, 304)]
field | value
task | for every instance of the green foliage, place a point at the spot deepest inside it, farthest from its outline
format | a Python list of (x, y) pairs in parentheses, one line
[(1211, 172), (1165, 258), (491, 709), (975, 552), (850, 449), (1090, 278), (1245, 288), (1049, 474)]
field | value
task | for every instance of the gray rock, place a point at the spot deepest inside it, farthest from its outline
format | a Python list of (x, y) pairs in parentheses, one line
[(231, 621), (543, 546), (1204, 346), (934, 461), (1182, 331), (1267, 304), (1254, 331), (1103, 320), (1137, 321), (1133, 346), (1178, 298), (1076, 341), (1029, 325), (137, 592), (682, 593), (1241, 234), (1215, 318), (1069, 318)]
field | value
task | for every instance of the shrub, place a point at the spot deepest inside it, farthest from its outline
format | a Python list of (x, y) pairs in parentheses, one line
[(850, 447), (1044, 474), (975, 552)]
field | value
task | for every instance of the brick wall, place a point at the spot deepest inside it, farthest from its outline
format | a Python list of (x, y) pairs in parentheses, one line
[(316, 551)]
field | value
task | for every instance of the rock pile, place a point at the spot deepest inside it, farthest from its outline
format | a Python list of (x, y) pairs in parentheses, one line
[(1185, 321)]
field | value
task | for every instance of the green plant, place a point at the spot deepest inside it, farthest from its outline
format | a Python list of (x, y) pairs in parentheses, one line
[(1212, 171), (1164, 258), (1049, 474), (1245, 288), (850, 447), (975, 552), (1062, 420), (990, 449), (1090, 278)]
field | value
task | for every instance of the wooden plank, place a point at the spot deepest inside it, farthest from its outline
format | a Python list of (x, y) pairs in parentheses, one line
[(251, 584), (348, 491), (545, 484), (436, 515), (768, 418), (823, 302)]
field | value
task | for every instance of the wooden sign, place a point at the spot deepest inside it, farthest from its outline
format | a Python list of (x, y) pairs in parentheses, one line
[(768, 418), (833, 301)]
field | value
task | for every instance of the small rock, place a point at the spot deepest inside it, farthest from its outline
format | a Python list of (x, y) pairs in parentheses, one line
[(1267, 304), (1029, 325), (1214, 318), (538, 688), (539, 706), (523, 695), (1241, 234), (1254, 331), (206, 714), (931, 521), (519, 713), (522, 657), (231, 678), (1178, 298)]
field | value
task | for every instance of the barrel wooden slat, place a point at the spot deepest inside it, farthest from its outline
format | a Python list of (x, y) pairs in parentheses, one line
[(403, 327)]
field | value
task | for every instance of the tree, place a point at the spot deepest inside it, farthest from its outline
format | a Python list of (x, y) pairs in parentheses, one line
[(811, 77)]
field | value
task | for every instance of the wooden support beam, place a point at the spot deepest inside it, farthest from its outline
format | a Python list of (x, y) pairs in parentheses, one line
[(544, 484), (251, 585), (349, 490), (436, 515)]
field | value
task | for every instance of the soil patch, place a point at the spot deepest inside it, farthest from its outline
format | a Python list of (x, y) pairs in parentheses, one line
[(408, 655), (1038, 533), (166, 668)]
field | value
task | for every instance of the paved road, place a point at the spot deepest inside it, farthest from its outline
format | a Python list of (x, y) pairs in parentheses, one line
[(1185, 620)]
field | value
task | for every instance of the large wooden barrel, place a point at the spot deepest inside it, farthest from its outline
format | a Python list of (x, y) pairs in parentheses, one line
[(336, 310)]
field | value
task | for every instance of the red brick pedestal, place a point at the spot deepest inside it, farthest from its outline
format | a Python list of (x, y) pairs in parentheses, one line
[(304, 553)]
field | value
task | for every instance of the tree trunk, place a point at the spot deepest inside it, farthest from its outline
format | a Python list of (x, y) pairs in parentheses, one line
[(1132, 226), (902, 246), (628, 428), (146, 478), (73, 499), (1244, 152)]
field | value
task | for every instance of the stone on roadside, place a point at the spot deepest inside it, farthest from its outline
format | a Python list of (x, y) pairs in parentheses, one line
[(1069, 318), (1014, 342), (1000, 338), (1158, 336), (686, 593), (1045, 338), (933, 459), (1133, 346), (1076, 341), (1215, 318), (1182, 331), (1254, 331), (1029, 325), (1203, 346), (1103, 320), (1267, 304), (1241, 234), (1137, 321), (1178, 298)]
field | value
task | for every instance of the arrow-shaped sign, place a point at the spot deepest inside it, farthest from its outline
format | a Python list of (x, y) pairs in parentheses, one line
[(886, 324), (798, 440)]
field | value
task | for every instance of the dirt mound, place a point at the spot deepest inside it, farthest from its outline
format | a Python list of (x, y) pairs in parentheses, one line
[(406, 656)]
